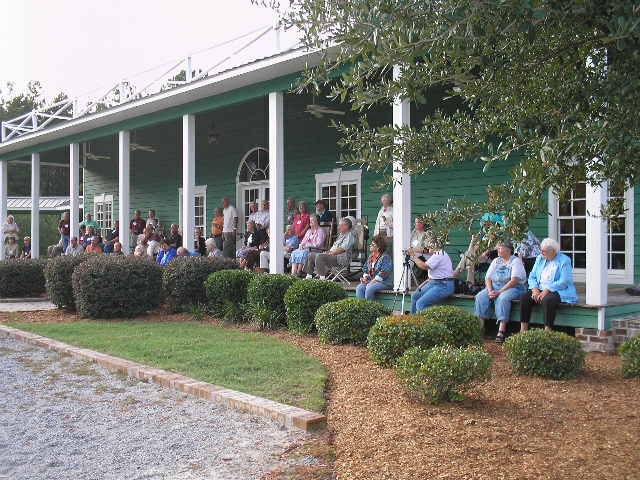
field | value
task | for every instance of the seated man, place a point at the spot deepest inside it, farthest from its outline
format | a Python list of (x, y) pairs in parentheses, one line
[(324, 215), (94, 246), (113, 236), (174, 238), (290, 243), (212, 248), (74, 247), (183, 252), (166, 253), (338, 255), (117, 249)]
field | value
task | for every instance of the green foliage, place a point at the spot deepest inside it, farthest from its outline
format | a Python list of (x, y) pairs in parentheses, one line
[(183, 279), (49, 234), (545, 354), (630, 355), (464, 327), (58, 274), (303, 299), (548, 89), (443, 373), (348, 320), (22, 278), (265, 299), (227, 293), (108, 286), (391, 336)]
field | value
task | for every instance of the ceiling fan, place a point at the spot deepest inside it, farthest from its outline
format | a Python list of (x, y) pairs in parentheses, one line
[(94, 157), (143, 148), (319, 111)]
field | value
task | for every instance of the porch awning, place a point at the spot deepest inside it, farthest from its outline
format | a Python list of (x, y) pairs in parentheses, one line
[(56, 204)]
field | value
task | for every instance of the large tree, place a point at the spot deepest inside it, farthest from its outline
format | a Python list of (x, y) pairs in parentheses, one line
[(551, 86)]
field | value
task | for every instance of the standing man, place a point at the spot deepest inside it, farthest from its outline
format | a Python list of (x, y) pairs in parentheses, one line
[(136, 226), (153, 220), (229, 229), (89, 222), (291, 211), (113, 236), (262, 217), (64, 227)]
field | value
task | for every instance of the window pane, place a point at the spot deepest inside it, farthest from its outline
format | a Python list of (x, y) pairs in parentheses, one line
[(564, 209), (617, 226), (344, 191), (617, 261), (580, 260), (580, 243), (566, 226), (580, 225), (566, 243), (579, 208), (580, 190), (617, 243)]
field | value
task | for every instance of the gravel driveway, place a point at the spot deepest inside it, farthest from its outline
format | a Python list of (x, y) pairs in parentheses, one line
[(62, 418)]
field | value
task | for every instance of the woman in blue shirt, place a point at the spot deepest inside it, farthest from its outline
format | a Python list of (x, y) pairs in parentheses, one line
[(377, 271), (550, 282)]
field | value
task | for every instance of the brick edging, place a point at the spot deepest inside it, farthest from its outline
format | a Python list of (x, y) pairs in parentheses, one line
[(285, 415)]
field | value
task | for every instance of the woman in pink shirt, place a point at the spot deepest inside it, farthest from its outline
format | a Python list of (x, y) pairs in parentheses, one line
[(313, 240), (301, 220)]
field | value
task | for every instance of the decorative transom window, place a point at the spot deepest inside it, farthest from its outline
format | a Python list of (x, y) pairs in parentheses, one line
[(103, 212), (341, 190), (254, 166), (200, 210)]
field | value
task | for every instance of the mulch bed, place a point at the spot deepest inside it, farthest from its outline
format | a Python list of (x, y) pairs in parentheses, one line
[(509, 428)]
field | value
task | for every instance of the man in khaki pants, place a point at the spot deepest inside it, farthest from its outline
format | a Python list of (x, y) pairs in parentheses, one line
[(229, 228)]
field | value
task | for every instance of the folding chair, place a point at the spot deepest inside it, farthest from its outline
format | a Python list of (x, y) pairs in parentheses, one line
[(345, 273)]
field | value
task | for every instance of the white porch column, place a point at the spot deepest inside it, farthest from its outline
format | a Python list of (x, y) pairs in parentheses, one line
[(276, 182), (596, 251), (35, 205), (401, 191), (188, 179), (74, 189), (3, 203), (124, 174)]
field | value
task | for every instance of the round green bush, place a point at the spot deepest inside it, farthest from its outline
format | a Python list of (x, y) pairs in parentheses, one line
[(227, 293), (111, 286), (265, 299), (183, 280), (464, 327), (303, 299), (22, 278), (443, 373), (545, 354), (348, 320), (630, 354), (391, 336), (58, 279)]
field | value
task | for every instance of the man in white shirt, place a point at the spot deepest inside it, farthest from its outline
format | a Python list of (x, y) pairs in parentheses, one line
[(74, 247), (229, 228), (263, 217)]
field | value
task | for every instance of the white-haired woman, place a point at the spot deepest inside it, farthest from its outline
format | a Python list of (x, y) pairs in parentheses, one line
[(384, 220), (10, 229), (212, 248), (440, 284), (550, 282)]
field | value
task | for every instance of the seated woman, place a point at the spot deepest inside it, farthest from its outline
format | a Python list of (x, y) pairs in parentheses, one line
[(253, 238), (550, 282), (11, 248), (378, 270), (313, 240), (166, 253), (26, 250), (212, 248), (504, 282), (290, 244), (440, 284)]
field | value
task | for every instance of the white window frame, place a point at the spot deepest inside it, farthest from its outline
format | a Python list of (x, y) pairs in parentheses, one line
[(337, 177), (613, 276), (103, 199), (198, 191)]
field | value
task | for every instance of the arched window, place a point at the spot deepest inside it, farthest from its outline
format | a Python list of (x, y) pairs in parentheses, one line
[(254, 166)]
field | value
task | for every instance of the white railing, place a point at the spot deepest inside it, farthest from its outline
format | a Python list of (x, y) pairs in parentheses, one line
[(180, 72)]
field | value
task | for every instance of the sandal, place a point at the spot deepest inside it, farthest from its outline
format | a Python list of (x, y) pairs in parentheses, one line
[(500, 337)]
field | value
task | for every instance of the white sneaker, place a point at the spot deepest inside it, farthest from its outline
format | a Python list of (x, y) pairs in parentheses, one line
[(308, 276), (322, 277)]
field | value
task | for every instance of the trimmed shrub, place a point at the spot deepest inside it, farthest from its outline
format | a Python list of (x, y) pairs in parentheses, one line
[(110, 287), (443, 373), (545, 354), (303, 299), (22, 278), (464, 327), (348, 320), (57, 274), (227, 293), (265, 299), (630, 355), (183, 280), (391, 336)]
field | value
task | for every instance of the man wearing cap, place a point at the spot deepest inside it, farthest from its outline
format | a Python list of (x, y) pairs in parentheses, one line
[(322, 212)]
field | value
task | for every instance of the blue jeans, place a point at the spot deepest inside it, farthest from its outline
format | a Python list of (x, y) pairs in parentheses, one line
[(430, 294), (65, 242), (501, 304), (369, 290)]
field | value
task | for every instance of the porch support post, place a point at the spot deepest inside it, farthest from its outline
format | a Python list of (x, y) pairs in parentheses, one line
[(35, 205), (124, 173), (188, 179), (3, 203), (401, 190), (596, 251), (74, 189), (276, 182)]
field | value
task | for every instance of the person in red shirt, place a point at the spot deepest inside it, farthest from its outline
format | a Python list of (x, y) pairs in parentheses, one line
[(64, 227)]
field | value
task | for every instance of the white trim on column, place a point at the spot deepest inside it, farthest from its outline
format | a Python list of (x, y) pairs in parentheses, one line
[(124, 184), (74, 189), (188, 179), (3, 204), (276, 182), (35, 205), (596, 248), (401, 189)]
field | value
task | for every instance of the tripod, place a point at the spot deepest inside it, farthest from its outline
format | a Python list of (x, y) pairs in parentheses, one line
[(404, 282)]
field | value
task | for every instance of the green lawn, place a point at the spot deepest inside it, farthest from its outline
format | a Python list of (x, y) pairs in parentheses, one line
[(249, 362)]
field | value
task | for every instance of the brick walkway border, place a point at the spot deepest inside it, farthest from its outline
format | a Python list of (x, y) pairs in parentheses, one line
[(286, 415)]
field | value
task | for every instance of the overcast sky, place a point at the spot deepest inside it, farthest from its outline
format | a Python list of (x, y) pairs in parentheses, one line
[(77, 46)]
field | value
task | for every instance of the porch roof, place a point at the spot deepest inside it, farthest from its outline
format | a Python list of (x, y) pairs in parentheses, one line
[(23, 204)]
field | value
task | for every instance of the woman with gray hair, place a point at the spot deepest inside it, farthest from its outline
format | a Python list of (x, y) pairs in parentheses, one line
[(384, 220), (550, 282), (504, 282), (440, 284), (212, 248)]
